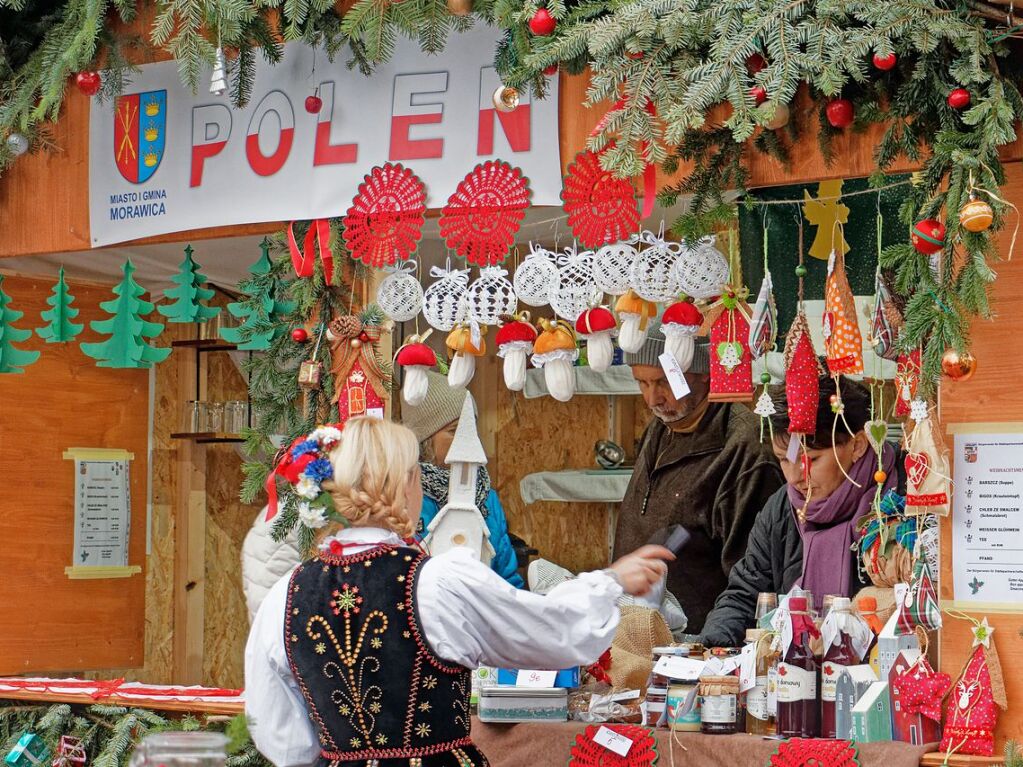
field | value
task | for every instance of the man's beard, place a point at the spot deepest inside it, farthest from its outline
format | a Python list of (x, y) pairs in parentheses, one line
[(669, 416)]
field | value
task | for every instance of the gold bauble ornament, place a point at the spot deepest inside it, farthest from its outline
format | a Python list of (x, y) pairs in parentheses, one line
[(459, 7), (976, 215), (780, 118), (958, 367), (356, 343), (505, 99)]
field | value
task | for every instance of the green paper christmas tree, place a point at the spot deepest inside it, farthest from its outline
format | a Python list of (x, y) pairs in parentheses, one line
[(127, 346), (12, 359), (59, 327), (261, 310), (189, 294)]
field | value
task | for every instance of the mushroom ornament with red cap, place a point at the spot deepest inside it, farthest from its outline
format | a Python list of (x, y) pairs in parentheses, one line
[(634, 313), (416, 358), (464, 349), (514, 344), (680, 324), (555, 351), (596, 326)]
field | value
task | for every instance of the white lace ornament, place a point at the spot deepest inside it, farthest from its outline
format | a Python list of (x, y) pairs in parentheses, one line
[(765, 405), (701, 271), (534, 276), (572, 291), (611, 266), (490, 296), (400, 295), (918, 410), (443, 300), (652, 274)]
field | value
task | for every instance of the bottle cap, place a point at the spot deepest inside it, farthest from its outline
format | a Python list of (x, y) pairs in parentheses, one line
[(841, 603)]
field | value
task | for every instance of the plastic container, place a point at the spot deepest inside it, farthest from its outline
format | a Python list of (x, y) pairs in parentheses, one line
[(683, 706), (719, 705), (523, 704)]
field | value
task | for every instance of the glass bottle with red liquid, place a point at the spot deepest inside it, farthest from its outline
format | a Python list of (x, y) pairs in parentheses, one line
[(842, 647), (798, 706)]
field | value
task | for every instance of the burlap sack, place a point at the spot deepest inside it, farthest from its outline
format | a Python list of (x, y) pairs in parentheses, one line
[(885, 599), (639, 632)]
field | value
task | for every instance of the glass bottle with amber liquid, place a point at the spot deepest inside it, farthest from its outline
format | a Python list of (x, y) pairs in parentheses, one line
[(759, 716), (798, 704)]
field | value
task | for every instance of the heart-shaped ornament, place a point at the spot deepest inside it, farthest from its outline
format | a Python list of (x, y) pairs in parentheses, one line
[(918, 465), (877, 432)]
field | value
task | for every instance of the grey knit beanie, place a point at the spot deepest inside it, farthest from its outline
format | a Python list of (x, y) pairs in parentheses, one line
[(654, 347), (443, 404)]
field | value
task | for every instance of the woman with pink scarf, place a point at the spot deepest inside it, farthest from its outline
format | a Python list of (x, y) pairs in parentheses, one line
[(806, 533)]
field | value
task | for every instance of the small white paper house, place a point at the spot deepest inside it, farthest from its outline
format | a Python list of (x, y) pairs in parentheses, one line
[(853, 682), (459, 522), (889, 645)]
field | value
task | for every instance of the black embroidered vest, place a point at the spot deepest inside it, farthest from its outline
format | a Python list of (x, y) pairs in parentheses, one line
[(375, 690)]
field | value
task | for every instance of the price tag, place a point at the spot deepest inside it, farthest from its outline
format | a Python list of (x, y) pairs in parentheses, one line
[(375, 412), (793, 452), (621, 697), (533, 678), (748, 667), (673, 372), (612, 741), (676, 667)]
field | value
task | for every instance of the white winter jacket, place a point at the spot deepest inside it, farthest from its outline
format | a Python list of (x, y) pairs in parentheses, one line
[(265, 561)]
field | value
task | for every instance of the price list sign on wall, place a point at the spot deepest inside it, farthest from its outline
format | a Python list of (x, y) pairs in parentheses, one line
[(987, 544), (102, 513)]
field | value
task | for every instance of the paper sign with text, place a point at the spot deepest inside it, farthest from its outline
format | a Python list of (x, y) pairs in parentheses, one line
[(612, 741), (531, 678), (673, 372)]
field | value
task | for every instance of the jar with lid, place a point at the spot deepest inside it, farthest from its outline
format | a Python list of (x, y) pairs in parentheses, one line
[(657, 686), (759, 714), (683, 705), (719, 704)]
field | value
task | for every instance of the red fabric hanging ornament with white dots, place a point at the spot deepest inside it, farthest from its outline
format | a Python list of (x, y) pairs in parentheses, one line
[(802, 377)]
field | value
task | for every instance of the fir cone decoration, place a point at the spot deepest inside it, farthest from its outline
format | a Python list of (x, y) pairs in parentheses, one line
[(345, 326)]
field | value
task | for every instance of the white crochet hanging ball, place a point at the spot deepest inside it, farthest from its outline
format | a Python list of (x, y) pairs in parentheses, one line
[(490, 296), (442, 301), (701, 271), (400, 295), (533, 278), (652, 274), (573, 291), (611, 266)]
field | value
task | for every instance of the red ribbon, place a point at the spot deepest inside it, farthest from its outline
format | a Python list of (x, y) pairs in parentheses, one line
[(650, 170), (304, 259), (109, 688), (282, 467)]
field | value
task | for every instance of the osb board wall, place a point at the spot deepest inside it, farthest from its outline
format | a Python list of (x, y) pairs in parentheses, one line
[(64, 400), (992, 395)]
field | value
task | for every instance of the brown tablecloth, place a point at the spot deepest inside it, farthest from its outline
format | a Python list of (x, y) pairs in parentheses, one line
[(549, 743)]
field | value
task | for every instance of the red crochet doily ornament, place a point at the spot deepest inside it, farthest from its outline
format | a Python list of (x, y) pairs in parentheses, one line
[(387, 215), (600, 207), (586, 753), (482, 216), (814, 752)]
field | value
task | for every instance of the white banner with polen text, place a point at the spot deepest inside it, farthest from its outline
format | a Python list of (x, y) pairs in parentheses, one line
[(162, 159)]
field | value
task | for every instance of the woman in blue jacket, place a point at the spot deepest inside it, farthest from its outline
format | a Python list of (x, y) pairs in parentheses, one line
[(434, 422)]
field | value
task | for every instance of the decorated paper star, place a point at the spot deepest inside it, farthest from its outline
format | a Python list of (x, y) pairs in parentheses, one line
[(982, 633)]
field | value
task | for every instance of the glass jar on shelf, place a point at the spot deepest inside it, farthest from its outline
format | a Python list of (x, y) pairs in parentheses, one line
[(236, 416), (214, 420), (181, 749)]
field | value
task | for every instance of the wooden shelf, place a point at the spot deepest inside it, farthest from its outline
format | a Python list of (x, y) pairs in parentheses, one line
[(206, 437), (226, 708), (937, 758), (205, 345)]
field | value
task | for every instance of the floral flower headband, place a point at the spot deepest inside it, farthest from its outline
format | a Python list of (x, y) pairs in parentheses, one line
[(305, 465)]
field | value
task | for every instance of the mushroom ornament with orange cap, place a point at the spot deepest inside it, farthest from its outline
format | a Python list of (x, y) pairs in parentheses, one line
[(463, 350), (597, 326), (634, 313), (514, 343), (555, 351), (680, 324), (416, 358)]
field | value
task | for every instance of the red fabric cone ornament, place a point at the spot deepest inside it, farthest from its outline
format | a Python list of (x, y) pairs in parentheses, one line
[(802, 378), (971, 712), (907, 378), (731, 364), (588, 753), (842, 340)]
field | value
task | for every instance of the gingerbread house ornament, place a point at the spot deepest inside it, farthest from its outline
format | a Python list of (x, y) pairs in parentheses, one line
[(360, 385), (459, 522)]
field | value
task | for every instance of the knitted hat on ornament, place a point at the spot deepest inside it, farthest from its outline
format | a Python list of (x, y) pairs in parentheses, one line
[(651, 351), (443, 405)]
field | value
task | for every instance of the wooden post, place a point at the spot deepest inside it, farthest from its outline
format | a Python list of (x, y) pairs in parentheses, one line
[(190, 535)]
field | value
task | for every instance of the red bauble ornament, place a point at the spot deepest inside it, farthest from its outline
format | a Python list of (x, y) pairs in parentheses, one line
[(634, 55), (928, 236), (299, 335), (364, 337), (542, 23), (313, 104), (884, 63), (386, 219), (483, 215), (759, 94), (551, 70), (840, 113), (88, 82), (755, 63), (600, 207), (959, 98)]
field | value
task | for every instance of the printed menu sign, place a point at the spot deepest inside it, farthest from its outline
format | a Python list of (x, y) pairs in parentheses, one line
[(987, 520)]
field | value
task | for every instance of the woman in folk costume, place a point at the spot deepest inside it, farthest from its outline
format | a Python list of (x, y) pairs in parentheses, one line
[(434, 422), (362, 654)]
